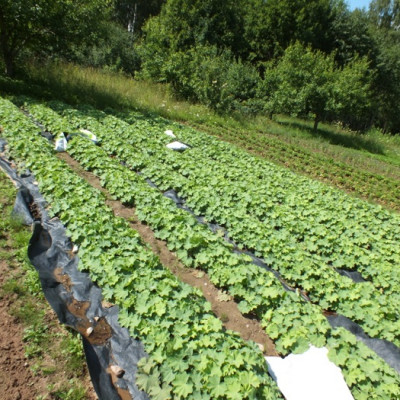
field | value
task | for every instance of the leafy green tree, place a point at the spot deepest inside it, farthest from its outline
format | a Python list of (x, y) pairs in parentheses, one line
[(351, 33), (213, 77), (183, 24), (352, 97), (308, 82), (271, 26), (305, 83), (384, 17), (114, 49), (386, 85), (46, 25)]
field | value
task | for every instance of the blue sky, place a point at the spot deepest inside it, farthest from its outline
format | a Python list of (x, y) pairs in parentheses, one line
[(358, 4)]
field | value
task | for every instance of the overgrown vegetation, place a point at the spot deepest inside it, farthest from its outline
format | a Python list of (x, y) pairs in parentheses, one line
[(63, 370)]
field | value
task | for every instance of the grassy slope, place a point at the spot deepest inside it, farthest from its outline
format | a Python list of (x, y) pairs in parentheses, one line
[(365, 165)]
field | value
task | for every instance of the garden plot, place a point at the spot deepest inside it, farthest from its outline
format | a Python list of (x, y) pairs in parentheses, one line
[(305, 246), (294, 322)]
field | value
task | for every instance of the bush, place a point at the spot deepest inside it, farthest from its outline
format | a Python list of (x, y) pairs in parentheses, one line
[(114, 51), (214, 78)]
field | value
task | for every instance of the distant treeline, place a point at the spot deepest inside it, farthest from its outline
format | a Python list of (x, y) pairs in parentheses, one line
[(310, 58)]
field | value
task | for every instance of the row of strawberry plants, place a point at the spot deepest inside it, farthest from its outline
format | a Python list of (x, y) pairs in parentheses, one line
[(378, 317), (129, 187), (191, 356), (195, 244)]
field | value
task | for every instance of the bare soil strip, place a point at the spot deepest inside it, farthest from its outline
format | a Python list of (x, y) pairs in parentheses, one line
[(227, 310)]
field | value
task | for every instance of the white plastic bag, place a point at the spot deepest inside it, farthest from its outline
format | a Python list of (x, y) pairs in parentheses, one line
[(168, 132), (178, 146), (309, 376), (61, 143), (89, 134)]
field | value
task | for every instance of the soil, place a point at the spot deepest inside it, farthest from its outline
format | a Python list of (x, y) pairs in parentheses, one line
[(17, 379), (123, 393), (223, 306), (96, 332)]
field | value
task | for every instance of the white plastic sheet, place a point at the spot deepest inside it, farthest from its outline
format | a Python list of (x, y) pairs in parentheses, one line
[(168, 132), (177, 146), (89, 134), (61, 143), (309, 376)]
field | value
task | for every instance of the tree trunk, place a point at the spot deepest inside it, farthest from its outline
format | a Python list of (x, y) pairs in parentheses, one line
[(316, 121), (10, 65), (8, 53)]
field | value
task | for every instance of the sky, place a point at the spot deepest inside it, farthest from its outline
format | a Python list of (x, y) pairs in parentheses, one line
[(358, 4)]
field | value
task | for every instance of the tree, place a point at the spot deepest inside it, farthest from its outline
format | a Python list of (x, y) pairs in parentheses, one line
[(386, 85), (183, 24), (351, 100), (308, 82), (186, 24), (40, 25), (385, 14), (132, 14), (351, 33), (271, 26)]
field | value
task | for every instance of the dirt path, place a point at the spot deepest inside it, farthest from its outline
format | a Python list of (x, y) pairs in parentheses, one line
[(223, 306)]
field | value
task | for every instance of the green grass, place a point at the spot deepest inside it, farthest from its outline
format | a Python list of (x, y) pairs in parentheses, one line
[(367, 165)]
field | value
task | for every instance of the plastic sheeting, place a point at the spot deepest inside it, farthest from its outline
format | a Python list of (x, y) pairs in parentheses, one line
[(21, 206), (385, 349), (61, 143), (75, 299), (177, 146), (309, 376), (90, 135), (355, 276), (169, 133), (2, 145)]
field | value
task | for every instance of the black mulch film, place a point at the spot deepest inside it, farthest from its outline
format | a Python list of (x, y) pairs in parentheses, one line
[(74, 297), (388, 351)]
